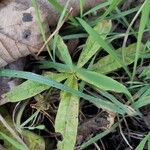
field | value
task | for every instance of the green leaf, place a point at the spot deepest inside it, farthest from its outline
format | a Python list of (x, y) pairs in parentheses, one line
[(91, 47), (97, 7), (40, 25), (149, 143), (143, 142), (29, 89), (58, 66), (32, 140), (12, 141), (66, 121), (108, 64), (50, 82), (56, 5), (141, 102), (143, 21), (98, 137), (101, 81), (103, 43), (145, 72), (63, 50), (144, 99), (82, 3), (111, 7)]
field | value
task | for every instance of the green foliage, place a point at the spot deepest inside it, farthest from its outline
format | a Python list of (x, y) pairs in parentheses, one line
[(143, 142), (32, 140), (101, 81), (63, 50), (105, 45), (66, 121), (13, 142), (108, 64), (143, 23), (96, 65), (91, 46), (29, 89)]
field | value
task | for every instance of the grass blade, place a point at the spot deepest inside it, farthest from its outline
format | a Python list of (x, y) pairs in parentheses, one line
[(98, 137), (91, 47), (143, 22), (143, 142), (56, 5), (50, 82), (102, 43), (81, 7), (112, 7), (16, 144), (41, 27), (101, 5), (141, 102)]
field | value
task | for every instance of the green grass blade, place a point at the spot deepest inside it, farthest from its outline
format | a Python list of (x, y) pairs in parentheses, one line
[(41, 27), (91, 47), (98, 137), (101, 81), (56, 5), (112, 99), (103, 43), (82, 2), (144, 98), (143, 142), (7, 126), (94, 9), (112, 7), (59, 24), (66, 121), (58, 66), (149, 143), (143, 22), (123, 14), (52, 83), (16, 144), (141, 102)]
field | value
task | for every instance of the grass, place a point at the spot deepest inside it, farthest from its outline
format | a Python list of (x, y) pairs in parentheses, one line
[(111, 75)]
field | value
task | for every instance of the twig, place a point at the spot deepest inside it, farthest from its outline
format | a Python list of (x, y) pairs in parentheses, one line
[(56, 31), (125, 139)]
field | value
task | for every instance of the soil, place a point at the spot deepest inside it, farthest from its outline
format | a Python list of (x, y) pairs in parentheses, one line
[(92, 120)]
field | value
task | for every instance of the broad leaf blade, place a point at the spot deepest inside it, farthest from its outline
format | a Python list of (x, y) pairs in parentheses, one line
[(108, 64), (66, 121), (29, 89), (101, 81), (63, 50), (91, 47)]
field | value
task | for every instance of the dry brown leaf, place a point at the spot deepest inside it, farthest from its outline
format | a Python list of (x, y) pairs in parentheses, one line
[(19, 32)]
